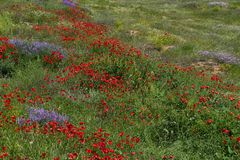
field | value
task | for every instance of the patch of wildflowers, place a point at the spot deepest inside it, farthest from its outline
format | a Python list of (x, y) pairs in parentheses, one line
[(69, 3), (54, 58), (35, 48), (222, 57), (42, 116), (6, 49)]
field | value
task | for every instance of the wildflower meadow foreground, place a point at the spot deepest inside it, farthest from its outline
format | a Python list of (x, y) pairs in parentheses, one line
[(69, 90)]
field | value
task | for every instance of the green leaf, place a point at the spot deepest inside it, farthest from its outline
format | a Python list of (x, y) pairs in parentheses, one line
[(230, 151)]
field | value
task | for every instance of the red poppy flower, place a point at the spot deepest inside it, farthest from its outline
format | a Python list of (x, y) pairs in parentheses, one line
[(238, 140), (88, 150), (209, 121), (72, 156), (121, 134), (226, 131)]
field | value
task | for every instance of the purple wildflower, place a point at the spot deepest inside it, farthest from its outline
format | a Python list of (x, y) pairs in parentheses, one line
[(42, 116), (222, 57), (35, 47), (21, 121), (69, 3)]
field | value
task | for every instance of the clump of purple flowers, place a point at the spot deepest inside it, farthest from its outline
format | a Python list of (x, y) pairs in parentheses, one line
[(35, 48), (42, 116), (222, 57), (69, 3)]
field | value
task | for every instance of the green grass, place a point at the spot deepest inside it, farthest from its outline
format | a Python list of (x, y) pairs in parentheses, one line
[(174, 110)]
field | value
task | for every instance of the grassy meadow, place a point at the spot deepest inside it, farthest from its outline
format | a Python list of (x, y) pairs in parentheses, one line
[(174, 30), (116, 80)]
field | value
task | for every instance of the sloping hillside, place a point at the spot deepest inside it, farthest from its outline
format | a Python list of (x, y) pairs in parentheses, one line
[(71, 88)]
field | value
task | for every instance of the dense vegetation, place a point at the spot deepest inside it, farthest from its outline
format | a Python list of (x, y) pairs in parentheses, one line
[(71, 89)]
